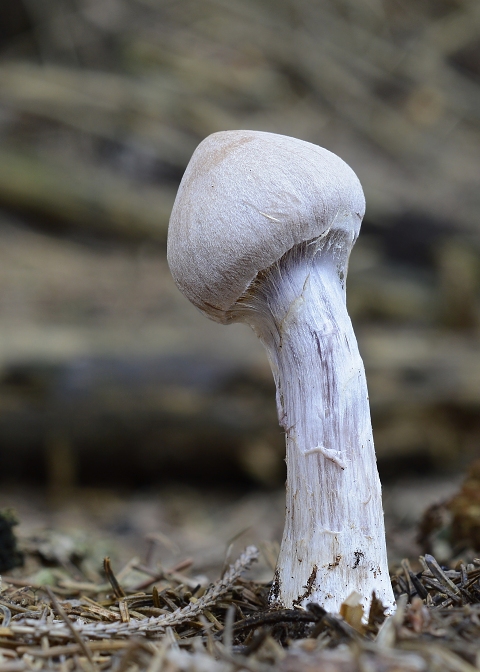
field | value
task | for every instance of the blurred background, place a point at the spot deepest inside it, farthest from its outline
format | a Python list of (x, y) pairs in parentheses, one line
[(110, 381)]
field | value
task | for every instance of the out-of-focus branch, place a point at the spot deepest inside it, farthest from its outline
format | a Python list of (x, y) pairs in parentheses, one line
[(91, 199)]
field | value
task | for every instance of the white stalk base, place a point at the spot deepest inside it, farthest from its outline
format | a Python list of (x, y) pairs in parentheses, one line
[(334, 538)]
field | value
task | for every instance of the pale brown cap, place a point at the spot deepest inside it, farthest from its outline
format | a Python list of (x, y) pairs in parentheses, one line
[(247, 198)]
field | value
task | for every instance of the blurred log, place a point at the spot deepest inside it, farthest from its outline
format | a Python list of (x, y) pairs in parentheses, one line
[(138, 421), (459, 273), (106, 371), (189, 417), (381, 86), (104, 105), (89, 198)]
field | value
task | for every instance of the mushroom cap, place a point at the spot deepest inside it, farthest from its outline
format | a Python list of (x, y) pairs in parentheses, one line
[(245, 199)]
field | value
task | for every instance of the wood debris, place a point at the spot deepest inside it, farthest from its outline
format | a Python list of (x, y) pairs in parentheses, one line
[(228, 625)]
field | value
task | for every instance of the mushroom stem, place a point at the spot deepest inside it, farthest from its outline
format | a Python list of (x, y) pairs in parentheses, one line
[(334, 538)]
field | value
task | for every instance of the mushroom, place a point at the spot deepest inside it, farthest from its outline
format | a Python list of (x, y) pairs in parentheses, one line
[(261, 232)]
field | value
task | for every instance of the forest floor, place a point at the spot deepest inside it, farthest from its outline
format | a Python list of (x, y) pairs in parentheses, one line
[(177, 579)]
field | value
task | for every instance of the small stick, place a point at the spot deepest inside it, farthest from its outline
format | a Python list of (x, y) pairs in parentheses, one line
[(7, 615), (438, 572), (124, 613), (117, 589), (70, 626), (275, 617), (228, 629), (420, 588), (463, 574), (408, 580), (69, 649)]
